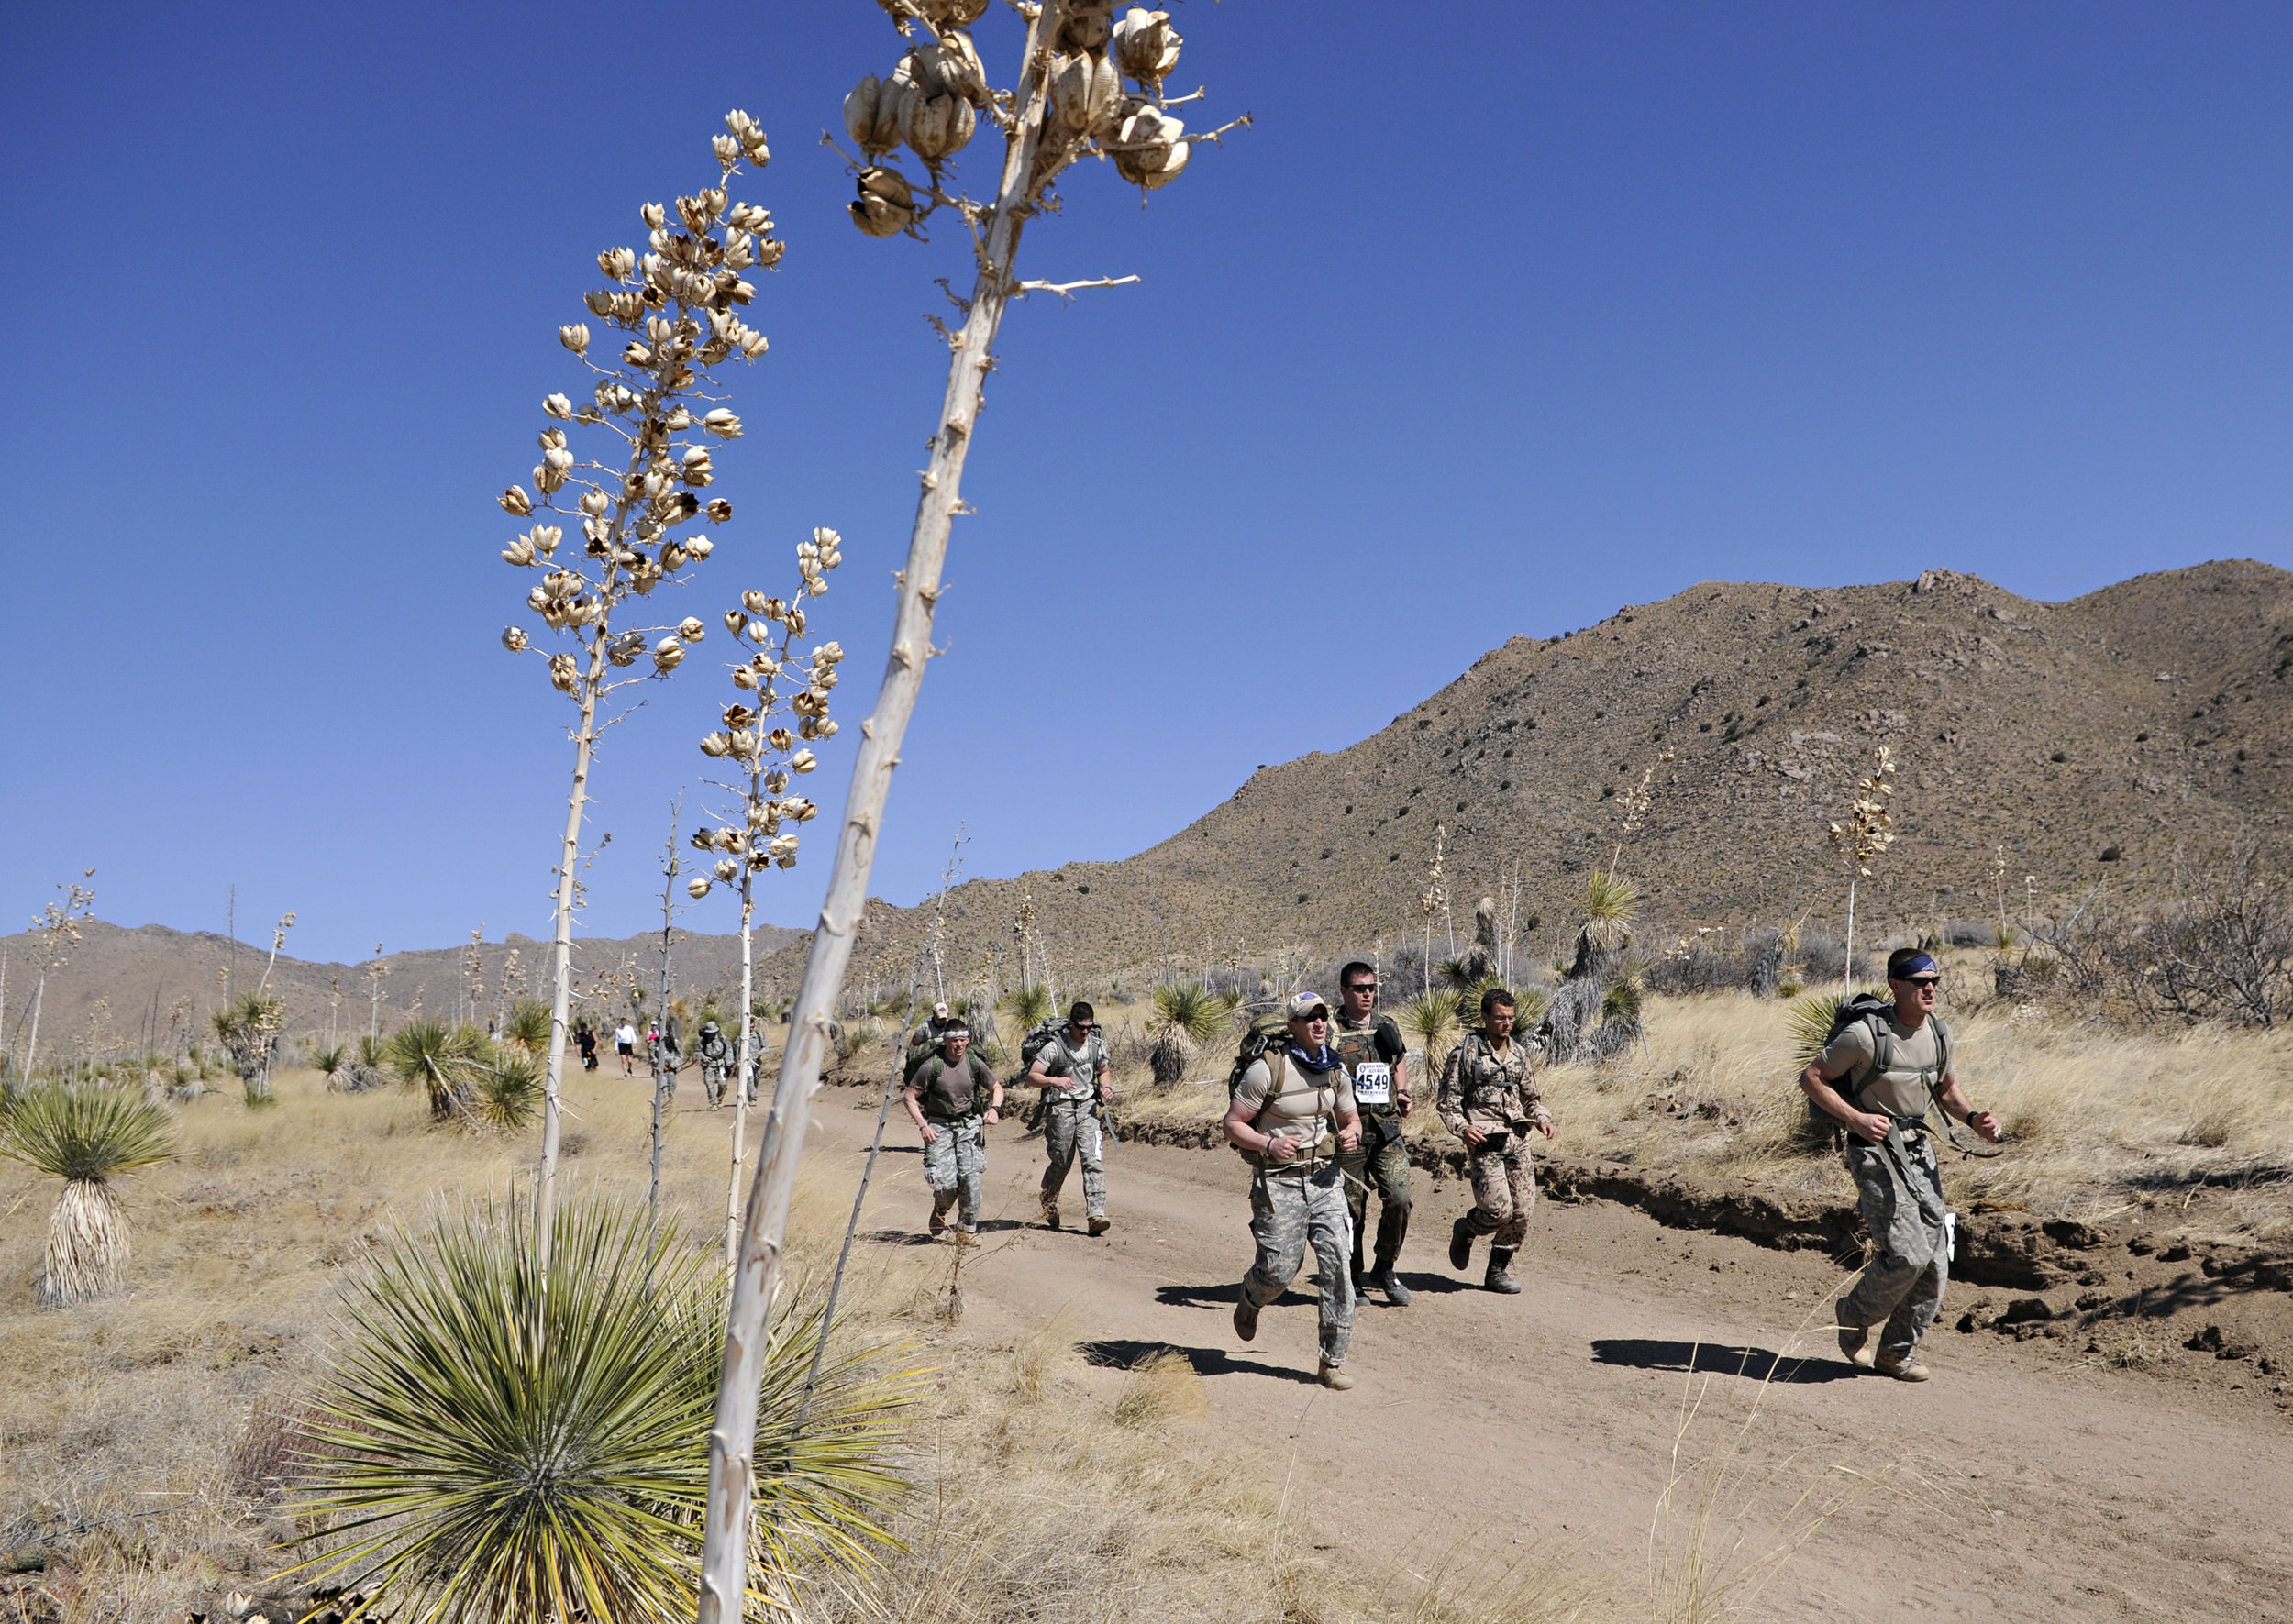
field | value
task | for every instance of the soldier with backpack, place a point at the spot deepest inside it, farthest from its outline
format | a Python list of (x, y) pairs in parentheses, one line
[(716, 1062), (1376, 1059), (1070, 1066), (1489, 1099), (1286, 1101), (954, 1097), (1882, 1067), (924, 1041)]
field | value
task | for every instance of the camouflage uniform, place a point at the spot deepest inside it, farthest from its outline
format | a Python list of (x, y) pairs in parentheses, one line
[(1069, 1126), (1302, 1203), (955, 1161), (1497, 1094), (717, 1059), (1384, 1168), (1901, 1203)]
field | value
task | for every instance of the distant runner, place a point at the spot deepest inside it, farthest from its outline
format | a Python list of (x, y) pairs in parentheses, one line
[(625, 1045), (716, 1061), (1071, 1070)]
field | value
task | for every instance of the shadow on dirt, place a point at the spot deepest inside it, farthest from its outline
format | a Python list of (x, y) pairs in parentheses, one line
[(1752, 1363), (1122, 1354)]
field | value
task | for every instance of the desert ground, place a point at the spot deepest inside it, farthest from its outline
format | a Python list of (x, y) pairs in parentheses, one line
[(1659, 1427)]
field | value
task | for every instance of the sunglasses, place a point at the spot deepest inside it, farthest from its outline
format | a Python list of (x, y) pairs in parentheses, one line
[(1924, 980), (1360, 986)]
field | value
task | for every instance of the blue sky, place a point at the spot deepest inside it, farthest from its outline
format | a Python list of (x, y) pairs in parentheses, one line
[(1497, 318)]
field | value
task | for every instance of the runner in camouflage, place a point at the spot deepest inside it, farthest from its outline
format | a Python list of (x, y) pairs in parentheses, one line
[(1490, 1099), (716, 1061), (954, 1097), (1282, 1110), (1073, 1072), (1879, 1085), (1370, 1047)]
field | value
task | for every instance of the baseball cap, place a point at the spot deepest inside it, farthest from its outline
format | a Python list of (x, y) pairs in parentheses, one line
[(1305, 1006), (940, 1011)]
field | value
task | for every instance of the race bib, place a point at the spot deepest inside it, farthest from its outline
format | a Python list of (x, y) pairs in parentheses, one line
[(1373, 1083)]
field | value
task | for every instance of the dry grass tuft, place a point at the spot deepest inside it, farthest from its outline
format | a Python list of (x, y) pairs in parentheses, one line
[(1162, 1390)]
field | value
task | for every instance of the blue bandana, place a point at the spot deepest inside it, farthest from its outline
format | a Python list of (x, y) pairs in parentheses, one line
[(1918, 965)]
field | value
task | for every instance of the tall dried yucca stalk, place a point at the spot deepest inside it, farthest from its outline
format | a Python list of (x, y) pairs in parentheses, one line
[(1867, 832), (1068, 100), (57, 931), (679, 303), (784, 683)]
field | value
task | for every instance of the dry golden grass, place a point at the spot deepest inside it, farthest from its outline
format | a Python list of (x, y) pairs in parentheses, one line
[(2097, 1116)]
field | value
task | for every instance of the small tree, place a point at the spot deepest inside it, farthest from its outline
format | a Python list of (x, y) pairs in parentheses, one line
[(1867, 832), (777, 682), (679, 303), (86, 1136), (1068, 101)]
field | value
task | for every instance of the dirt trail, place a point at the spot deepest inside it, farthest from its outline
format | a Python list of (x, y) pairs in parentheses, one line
[(2023, 1484)]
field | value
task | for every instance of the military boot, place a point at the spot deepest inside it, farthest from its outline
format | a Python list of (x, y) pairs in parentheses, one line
[(1385, 1280), (1461, 1241), (1497, 1279)]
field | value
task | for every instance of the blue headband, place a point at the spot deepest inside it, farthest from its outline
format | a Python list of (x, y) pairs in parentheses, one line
[(1917, 965)]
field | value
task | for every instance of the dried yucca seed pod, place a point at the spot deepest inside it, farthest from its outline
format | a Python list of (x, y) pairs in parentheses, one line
[(697, 887), (886, 204), (520, 552), (1086, 95), (624, 649), (950, 66), (514, 638), (715, 743), (803, 761), (735, 621), (575, 336), (756, 603), (699, 546), (704, 841), (1145, 45), (516, 500), (718, 510), (872, 114), (1156, 154), (726, 870), (723, 424), (936, 127), (617, 263), (563, 673), (1087, 25), (743, 677)]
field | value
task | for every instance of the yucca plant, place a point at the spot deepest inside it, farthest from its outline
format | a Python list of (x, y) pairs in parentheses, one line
[(85, 1136), (1029, 1004), (1185, 1017), (249, 1028), (445, 1061), (505, 1440), (1610, 904), (328, 1059), (1431, 1019), (1810, 1021), (506, 1085), (528, 1026)]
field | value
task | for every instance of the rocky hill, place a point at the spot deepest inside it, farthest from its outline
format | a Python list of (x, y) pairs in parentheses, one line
[(127, 989), (2086, 739)]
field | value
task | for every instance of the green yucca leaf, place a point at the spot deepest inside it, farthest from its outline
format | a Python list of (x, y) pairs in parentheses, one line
[(1187, 1008), (508, 1087), (444, 1062), (504, 1442), (1030, 1005), (1810, 1021), (529, 1026), (85, 1132)]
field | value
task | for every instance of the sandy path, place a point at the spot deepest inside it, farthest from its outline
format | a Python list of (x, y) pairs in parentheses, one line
[(2022, 1484)]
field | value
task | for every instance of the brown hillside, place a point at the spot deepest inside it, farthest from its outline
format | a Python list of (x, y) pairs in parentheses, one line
[(2152, 715), (137, 975)]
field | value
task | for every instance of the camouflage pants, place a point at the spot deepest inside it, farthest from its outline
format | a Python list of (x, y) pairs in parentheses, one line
[(1069, 1130), (955, 1166), (1385, 1171), (1289, 1212), (1903, 1285), (1504, 1188), (712, 1081)]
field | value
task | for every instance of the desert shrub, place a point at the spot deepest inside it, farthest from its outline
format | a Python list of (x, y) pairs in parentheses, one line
[(86, 1135), (444, 1062), (1186, 1017), (504, 1438)]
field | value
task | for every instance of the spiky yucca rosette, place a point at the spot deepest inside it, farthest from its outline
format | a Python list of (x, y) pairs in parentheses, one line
[(86, 1135)]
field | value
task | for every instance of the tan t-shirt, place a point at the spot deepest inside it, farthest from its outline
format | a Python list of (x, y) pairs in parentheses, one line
[(1898, 1091), (1301, 1110)]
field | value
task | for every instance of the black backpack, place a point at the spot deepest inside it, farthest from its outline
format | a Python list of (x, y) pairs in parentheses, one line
[(1873, 1010)]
